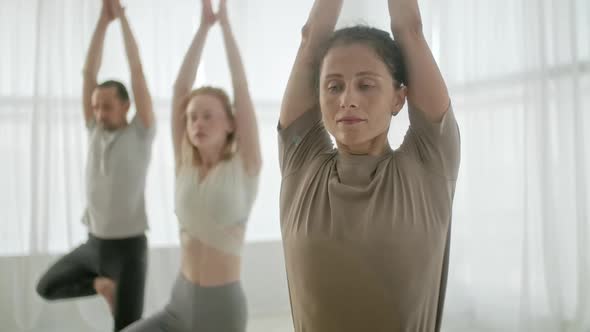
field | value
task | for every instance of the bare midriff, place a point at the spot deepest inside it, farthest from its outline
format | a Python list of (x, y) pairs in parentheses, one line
[(205, 265)]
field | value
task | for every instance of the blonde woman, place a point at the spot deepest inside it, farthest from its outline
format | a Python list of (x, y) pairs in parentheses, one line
[(218, 160)]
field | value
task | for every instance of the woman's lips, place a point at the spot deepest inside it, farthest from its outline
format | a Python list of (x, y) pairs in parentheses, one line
[(349, 120)]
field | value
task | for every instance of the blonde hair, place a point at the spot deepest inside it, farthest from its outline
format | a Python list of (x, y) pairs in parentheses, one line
[(189, 153)]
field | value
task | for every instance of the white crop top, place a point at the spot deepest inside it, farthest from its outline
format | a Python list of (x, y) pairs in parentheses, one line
[(211, 209)]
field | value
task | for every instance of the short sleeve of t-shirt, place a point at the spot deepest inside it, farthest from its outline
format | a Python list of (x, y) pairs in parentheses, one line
[(301, 141), (435, 145), (91, 125), (136, 125), (143, 131)]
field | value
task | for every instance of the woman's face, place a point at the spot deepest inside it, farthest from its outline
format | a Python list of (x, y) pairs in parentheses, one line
[(208, 124), (357, 96)]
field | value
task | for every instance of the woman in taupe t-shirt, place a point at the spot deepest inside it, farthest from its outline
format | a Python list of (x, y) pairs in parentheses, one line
[(366, 228)]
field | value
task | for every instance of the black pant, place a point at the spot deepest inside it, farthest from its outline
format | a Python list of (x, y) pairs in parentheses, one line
[(122, 260)]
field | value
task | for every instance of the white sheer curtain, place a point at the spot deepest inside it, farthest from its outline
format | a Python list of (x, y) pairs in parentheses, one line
[(518, 71)]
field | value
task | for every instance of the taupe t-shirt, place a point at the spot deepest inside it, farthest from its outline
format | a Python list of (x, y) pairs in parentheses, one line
[(366, 238), (115, 180)]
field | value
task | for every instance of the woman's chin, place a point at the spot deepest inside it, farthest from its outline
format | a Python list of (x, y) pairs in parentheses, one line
[(360, 144), (203, 144), (197, 143)]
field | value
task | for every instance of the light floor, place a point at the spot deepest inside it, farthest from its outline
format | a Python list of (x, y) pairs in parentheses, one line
[(283, 323)]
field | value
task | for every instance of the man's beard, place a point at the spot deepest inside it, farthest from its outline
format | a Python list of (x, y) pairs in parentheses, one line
[(106, 126)]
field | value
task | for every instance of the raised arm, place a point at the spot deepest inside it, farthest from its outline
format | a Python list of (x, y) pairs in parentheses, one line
[(299, 95), (94, 59), (245, 116), (427, 90), (143, 99), (187, 75)]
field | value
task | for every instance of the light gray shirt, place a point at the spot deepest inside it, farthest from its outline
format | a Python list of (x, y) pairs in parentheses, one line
[(116, 170)]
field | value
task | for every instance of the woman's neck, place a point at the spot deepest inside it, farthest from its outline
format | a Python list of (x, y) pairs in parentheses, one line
[(375, 147), (210, 156)]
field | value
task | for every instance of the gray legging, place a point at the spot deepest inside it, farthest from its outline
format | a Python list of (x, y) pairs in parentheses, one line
[(201, 309)]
